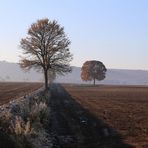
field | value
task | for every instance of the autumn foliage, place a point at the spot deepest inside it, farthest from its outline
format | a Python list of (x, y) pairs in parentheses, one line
[(93, 70), (47, 48)]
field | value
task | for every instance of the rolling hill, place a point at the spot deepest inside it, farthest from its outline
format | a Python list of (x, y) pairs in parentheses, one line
[(12, 72)]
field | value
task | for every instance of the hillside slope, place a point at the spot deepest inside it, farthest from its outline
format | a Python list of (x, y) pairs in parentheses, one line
[(113, 76), (13, 73)]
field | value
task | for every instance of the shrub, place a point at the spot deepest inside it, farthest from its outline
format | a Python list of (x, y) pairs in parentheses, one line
[(39, 112), (20, 127)]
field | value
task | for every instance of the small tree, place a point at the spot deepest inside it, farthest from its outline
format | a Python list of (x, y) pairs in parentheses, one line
[(46, 47), (93, 70)]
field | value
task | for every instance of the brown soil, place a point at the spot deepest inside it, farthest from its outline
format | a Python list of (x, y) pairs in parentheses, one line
[(72, 126), (124, 108), (10, 91)]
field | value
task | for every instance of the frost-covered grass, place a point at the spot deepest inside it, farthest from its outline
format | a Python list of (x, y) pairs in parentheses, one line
[(23, 122)]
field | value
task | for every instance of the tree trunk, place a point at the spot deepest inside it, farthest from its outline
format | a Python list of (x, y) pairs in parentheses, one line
[(46, 79), (94, 81)]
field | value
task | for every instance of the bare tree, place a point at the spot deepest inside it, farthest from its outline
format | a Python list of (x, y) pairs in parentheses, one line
[(93, 70), (46, 47)]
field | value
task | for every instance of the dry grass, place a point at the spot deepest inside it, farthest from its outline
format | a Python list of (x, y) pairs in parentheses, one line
[(24, 121), (123, 107)]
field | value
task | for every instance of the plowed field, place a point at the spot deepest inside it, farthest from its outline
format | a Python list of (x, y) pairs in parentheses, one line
[(10, 91), (125, 108)]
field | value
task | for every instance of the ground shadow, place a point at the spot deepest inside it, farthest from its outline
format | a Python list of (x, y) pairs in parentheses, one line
[(73, 126), (5, 141)]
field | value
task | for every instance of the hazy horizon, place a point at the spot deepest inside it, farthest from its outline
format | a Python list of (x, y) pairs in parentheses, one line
[(81, 66), (12, 72)]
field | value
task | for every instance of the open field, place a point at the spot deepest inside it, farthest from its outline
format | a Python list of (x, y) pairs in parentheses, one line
[(73, 126), (124, 108), (10, 91)]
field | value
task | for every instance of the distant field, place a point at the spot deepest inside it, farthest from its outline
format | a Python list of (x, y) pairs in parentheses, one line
[(123, 107), (10, 91)]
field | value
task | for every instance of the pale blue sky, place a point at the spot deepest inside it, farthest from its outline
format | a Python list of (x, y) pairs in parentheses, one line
[(112, 31)]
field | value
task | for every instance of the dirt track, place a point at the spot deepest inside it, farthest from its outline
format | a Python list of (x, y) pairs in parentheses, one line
[(10, 91), (74, 127)]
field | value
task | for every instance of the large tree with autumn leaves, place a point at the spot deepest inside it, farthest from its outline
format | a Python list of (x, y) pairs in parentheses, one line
[(93, 70), (47, 48)]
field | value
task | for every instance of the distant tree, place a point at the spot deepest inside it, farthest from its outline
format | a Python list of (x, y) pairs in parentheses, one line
[(93, 70), (51, 76), (46, 47)]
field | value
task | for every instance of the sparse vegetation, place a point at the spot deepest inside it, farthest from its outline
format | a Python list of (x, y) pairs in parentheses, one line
[(24, 121)]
